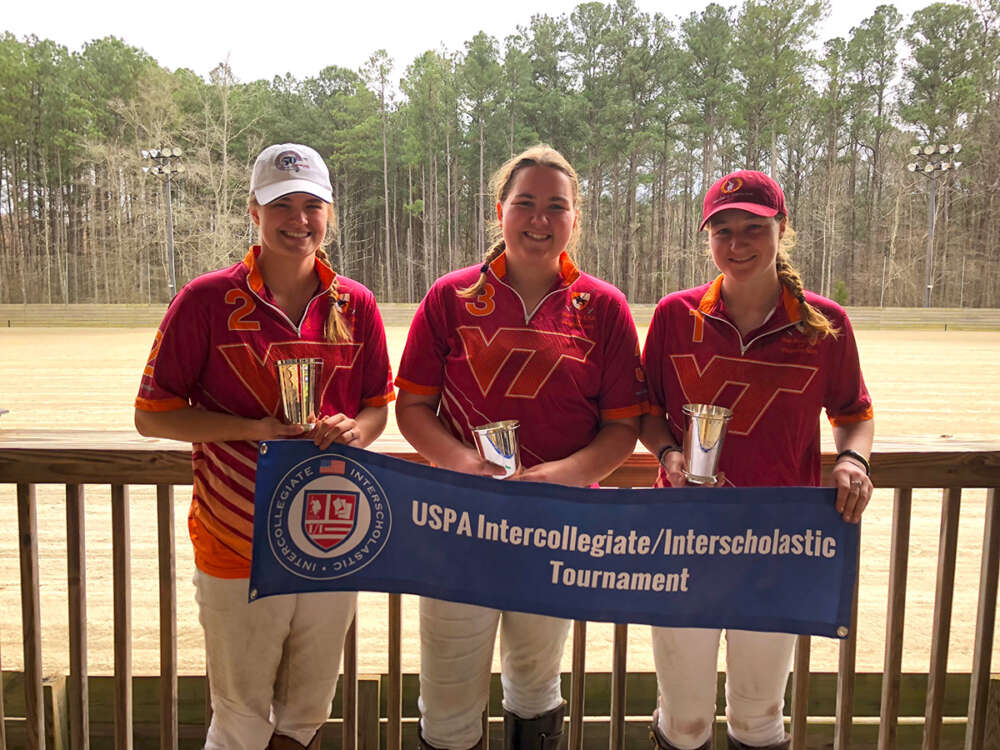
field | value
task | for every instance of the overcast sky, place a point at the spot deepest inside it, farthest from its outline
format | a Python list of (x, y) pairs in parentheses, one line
[(261, 42)]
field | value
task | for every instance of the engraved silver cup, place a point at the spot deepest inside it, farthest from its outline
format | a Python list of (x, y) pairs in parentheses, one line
[(706, 428), (497, 443), (299, 381)]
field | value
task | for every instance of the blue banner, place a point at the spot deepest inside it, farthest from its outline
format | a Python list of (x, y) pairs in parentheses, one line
[(771, 559)]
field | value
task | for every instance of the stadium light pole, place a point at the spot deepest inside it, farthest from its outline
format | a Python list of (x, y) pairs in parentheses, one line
[(930, 160), (166, 165)]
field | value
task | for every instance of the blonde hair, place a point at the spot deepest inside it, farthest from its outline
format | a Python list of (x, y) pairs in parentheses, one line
[(541, 155), (815, 325), (335, 328)]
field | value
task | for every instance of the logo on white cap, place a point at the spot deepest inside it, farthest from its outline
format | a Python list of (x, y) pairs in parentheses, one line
[(290, 168), (290, 161)]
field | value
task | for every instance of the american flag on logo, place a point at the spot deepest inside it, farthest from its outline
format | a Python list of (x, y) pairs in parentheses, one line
[(329, 517), (333, 467)]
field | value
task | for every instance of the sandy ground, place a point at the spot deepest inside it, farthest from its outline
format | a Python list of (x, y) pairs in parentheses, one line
[(922, 382)]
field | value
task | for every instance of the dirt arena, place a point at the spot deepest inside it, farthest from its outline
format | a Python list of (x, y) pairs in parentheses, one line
[(923, 383)]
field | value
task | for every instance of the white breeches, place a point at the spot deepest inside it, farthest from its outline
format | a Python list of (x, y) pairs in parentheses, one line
[(272, 664), (456, 653), (757, 667)]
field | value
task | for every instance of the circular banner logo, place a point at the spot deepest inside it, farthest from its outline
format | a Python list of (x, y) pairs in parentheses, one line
[(328, 518)]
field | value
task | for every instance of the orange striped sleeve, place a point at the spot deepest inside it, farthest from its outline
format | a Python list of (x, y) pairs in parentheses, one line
[(159, 404), (656, 410), (861, 416), (421, 390)]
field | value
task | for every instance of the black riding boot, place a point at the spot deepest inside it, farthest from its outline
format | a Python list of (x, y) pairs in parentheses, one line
[(735, 744), (543, 732), (660, 742), (423, 744), (281, 742)]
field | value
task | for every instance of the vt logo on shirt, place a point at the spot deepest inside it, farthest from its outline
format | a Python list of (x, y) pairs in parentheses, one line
[(539, 353), (757, 383), (260, 377)]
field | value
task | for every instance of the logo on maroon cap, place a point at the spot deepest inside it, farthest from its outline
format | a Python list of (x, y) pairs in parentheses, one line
[(731, 185)]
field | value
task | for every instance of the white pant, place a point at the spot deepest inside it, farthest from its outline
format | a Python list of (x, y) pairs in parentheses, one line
[(456, 653), (757, 667), (272, 664)]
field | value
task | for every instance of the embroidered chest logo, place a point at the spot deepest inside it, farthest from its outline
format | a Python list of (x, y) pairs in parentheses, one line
[(343, 301), (580, 299), (535, 354), (259, 374), (483, 303), (758, 383)]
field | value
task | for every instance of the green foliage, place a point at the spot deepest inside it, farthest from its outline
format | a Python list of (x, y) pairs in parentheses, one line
[(840, 294), (650, 109)]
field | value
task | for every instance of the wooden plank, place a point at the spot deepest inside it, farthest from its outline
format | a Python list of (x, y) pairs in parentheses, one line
[(800, 692), (979, 691), (898, 559), (579, 677), (31, 617), (846, 675), (394, 688), (76, 556), (55, 694), (941, 632), (166, 552), (123, 457), (616, 739), (349, 688), (368, 714), (122, 571)]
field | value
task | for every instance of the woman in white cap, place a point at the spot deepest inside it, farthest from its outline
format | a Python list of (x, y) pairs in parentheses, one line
[(755, 342), (211, 380), (525, 336)]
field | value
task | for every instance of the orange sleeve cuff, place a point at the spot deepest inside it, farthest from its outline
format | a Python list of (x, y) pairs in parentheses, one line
[(861, 416), (382, 400), (656, 410), (160, 404), (421, 390), (635, 410)]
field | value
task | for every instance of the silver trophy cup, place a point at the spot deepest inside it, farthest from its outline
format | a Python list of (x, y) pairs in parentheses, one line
[(299, 381), (706, 427), (497, 443)]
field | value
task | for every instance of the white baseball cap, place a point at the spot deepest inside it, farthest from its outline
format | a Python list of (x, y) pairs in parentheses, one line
[(290, 168)]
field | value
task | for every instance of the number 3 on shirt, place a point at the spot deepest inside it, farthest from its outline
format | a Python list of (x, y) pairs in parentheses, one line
[(237, 319), (483, 305)]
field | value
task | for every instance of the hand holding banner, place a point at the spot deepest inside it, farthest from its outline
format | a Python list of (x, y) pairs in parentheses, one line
[(771, 559)]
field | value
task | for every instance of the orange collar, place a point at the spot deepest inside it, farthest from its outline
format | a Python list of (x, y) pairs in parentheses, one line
[(712, 298), (327, 276), (568, 272)]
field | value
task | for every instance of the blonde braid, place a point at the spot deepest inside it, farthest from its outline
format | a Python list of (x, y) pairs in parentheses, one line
[(495, 251), (815, 324), (335, 329)]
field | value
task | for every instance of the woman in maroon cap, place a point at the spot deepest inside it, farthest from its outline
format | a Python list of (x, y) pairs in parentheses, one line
[(754, 341)]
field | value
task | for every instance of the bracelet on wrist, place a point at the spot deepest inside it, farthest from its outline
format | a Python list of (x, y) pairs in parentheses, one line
[(665, 450), (849, 453)]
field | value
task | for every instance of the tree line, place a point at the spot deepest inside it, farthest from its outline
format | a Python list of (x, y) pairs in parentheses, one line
[(650, 109)]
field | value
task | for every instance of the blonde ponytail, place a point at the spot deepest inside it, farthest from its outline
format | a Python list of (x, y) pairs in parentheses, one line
[(335, 329)]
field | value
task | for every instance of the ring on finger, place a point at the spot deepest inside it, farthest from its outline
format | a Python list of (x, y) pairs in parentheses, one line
[(856, 483)]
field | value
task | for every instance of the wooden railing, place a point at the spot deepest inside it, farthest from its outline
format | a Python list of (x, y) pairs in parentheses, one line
[(28, 459)]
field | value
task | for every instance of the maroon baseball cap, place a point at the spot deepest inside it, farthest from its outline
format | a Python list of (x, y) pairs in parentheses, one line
[(746, 190)]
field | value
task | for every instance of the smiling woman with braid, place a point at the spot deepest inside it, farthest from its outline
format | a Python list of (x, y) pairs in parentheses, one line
[(755, 342), (524, 336), (211, 380)]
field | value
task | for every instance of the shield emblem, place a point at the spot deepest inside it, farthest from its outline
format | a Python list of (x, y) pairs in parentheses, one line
[(329, 517), (580, 299)]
